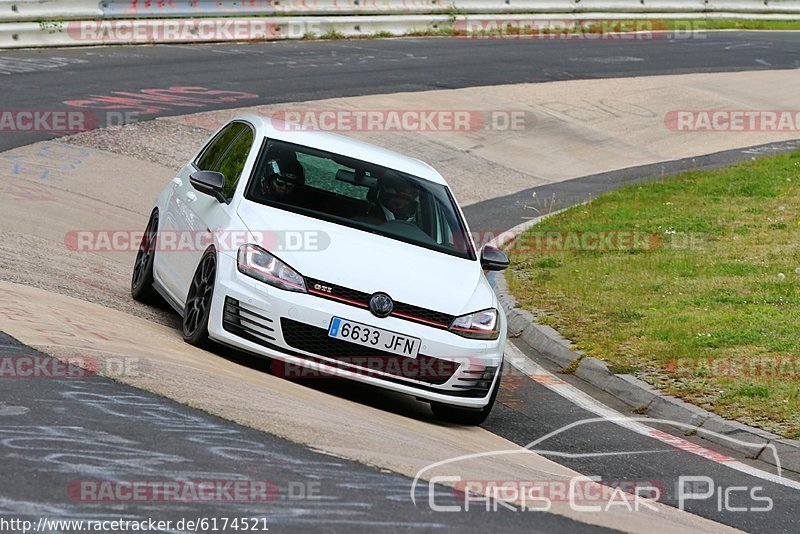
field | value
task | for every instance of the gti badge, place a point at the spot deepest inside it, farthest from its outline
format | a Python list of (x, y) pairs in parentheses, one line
[(381, 305)]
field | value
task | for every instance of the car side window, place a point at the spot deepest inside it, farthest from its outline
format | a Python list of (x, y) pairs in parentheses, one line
[(213, 152), (232, 163)]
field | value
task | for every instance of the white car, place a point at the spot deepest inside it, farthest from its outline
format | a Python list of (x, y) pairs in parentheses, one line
[(332, 257)]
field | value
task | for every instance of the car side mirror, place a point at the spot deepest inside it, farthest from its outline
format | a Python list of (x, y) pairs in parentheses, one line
[(493, 259), (209, 183)]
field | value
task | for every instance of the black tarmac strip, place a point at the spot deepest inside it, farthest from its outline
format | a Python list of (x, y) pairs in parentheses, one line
[(71, 448), (43, 457), (297, 71)]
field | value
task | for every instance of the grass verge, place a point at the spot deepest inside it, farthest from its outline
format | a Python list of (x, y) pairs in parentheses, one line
[(691, 283), (612, 29)]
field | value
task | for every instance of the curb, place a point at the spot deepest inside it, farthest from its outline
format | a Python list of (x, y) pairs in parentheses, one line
[(638, 395)]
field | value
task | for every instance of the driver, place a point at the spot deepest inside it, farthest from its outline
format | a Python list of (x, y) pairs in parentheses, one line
[(283, 177), (398, 199)]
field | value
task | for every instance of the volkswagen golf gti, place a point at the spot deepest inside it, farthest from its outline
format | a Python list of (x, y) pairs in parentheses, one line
[(331, 257)]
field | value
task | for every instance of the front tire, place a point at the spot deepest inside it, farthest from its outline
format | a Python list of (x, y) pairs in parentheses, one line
[(466, 416), (198, 302), (142, 278)]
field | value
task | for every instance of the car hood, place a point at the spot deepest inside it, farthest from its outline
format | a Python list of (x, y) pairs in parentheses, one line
[(368, 262)]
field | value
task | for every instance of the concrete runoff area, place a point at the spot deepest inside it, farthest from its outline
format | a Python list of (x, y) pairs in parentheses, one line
[(78, 302), (519, 136)]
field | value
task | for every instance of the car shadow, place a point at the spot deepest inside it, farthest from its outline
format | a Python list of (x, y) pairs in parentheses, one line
[(350, 390)]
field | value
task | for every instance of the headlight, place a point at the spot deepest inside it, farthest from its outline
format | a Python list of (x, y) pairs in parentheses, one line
[(478, 325), (256, 262)]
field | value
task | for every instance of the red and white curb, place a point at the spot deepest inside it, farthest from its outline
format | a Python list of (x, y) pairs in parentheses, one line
[(635, 424)]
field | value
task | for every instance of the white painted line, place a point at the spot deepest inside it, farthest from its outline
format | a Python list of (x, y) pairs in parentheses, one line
[(542, 376)]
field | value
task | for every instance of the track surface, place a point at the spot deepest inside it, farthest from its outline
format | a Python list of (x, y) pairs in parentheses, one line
[(280, 72), (298, 71), (95, 429)]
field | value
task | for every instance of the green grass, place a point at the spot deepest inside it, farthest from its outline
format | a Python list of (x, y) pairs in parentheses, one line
[(677, 26), (732, 24), (680, 27), (332, 34), (337, 35), (717, 287)]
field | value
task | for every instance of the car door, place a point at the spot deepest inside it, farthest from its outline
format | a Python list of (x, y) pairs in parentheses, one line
[(192, 215), (207, 215), (172, 223)]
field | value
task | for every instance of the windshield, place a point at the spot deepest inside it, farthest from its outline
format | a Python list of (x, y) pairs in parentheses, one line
[(360, 195)]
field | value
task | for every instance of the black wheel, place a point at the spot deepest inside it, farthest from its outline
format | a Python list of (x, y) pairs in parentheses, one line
[(198, 301), (465, 416), (142, 278)]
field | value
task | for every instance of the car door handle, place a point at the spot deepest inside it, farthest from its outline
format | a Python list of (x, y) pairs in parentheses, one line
[(190, 197), (176, 182)]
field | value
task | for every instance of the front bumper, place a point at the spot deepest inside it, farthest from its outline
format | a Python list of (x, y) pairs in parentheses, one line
[(292, 328)]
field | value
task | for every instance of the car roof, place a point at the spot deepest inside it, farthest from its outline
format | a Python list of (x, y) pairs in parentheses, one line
[(346, 146)]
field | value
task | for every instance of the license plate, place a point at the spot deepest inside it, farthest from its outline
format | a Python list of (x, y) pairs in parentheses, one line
[(377, 338)]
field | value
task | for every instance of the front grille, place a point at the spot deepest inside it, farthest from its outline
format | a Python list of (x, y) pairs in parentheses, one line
[(422, 315), (340, 293), (315, 340), (360, 299)]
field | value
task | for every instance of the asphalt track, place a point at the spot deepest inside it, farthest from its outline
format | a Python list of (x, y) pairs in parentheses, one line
[(92, 428), (279, 72), (298, 71)]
